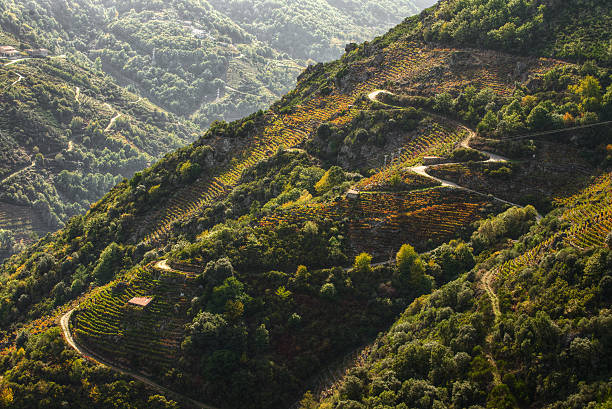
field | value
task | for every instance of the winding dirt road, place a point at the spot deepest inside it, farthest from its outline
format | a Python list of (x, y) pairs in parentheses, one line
[(112, 122), (163, 265), (20, 77), (91, 356), (17, 172), (422, 169)]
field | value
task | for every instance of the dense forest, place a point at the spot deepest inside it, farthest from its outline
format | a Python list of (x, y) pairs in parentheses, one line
[(425, 222), (316, 30)]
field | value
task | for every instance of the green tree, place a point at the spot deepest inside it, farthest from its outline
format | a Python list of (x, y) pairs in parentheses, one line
[(590, 93), (7, 239), (308, 401), (488, 124), (160, 402), (500, 397), (231, 290), (262, 337), (328, 290), (333, 177), (410, 268), (539, 117), (363, 263), (444, 103), (108, 262)]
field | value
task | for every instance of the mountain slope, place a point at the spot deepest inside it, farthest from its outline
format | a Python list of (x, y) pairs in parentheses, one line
[(537, 337), (197, 58), (69, 134), (242, 244), (186, 56)]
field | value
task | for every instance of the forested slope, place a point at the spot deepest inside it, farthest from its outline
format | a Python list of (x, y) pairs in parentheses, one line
[(69, 134), (528, 326), (189, 57), (198, 58)]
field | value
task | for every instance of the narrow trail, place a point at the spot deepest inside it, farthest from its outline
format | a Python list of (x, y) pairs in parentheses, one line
[(15, 61), (20, 77), (77, 93), (487, 282), (422, 169), (91, 356), (112, 122), (17, 172), (31, 58)]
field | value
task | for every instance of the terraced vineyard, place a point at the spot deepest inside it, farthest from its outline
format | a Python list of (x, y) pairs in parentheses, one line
[(20, 219), (401, 180), (378, 221), (590, 214), (528, 258), (146, 336), (23, 221), (405, 61), (435, 138), (397, 63)]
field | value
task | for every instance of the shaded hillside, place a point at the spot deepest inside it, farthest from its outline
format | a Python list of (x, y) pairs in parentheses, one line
[(69, 134), (529, 326), (200, 59)]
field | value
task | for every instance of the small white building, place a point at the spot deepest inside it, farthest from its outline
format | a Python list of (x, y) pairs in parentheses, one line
[(7, 51), (352, 194), (39, 52)]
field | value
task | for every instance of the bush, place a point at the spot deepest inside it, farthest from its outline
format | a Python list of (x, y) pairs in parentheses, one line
[(328, 291)]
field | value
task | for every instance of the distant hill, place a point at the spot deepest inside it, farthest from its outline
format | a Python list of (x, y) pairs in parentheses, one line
[(69, 134), (203, 60)]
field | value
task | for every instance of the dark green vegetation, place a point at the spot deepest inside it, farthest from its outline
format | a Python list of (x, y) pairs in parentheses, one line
[(72, 380), (273, 228), (547, 348), (69, 134), (576, 30), (207, 60)]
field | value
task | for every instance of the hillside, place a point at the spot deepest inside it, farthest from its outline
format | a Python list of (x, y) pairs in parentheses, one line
[(528, 326), (189, 57), (69, 134), (199, 59), (418, 224), (317, 30)]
